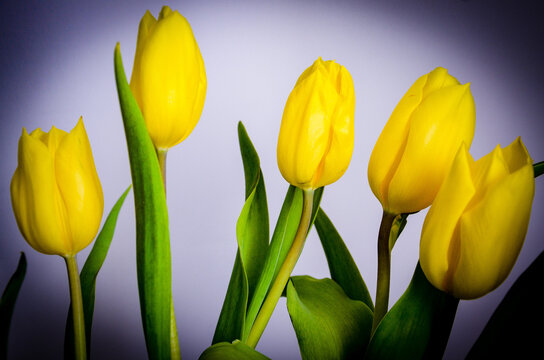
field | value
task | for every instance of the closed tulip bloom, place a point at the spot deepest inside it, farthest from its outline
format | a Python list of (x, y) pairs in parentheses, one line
[(417, 145), (315, 143), (476, 226), (55, 191), (168, 77)]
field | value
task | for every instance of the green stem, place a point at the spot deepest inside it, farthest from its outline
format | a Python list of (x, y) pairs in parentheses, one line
[(174, 341), (284, 273), (384, 269), (80, 348)]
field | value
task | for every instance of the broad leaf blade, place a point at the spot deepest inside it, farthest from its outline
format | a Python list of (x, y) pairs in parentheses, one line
[(88, 278), (418, 325), (152, 234), (512, 325), (328, 324), (252, 232), (342, 267), (231, 351), (282, 239), (7, 303)]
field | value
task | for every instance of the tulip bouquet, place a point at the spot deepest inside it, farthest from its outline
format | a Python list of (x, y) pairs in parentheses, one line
[(472, 234)]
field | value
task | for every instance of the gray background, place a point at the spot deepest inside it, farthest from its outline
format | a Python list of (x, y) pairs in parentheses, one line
[(56, 64)]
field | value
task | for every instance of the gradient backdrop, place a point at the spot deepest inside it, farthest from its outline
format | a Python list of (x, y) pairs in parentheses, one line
[(56, 61)]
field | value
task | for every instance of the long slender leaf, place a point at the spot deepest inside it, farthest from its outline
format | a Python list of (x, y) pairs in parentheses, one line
[(88, 278), (252, 228), (418, 326), (538, 168), (152, 234), (328, 324), (342, 267), (7, 303), (282, 239), (252, 232), (511, 329), (94, 262), (231, 351), (233, 312)]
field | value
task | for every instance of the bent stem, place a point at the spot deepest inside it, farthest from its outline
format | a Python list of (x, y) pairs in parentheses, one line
[(174, 341), (80, 347), (284, 273), (384, 269)]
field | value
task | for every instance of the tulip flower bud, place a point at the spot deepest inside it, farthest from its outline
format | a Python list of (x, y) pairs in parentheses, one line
[(55, 191), (418, 143), (168, 77), (476, 226), (316, 134)]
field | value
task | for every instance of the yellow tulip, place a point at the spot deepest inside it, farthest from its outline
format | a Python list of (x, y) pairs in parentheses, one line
[(315, 143), (418, 143), (55, 191), (476, 226), (168, 77)]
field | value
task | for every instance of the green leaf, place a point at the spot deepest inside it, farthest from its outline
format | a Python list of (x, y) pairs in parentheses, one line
[(512, 325), (94, 262), (7, 303), (342, 267), (282, 239), (233, 313), (252, 228), (153, 260), (538, 168), (231, 351), (252, 233), (418, 326), (328, 324), (396, 229), (88, 278)]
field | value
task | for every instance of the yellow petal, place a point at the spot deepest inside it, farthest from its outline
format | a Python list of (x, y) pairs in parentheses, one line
[(316, 133), (487, 171), (439, 237), (390, 145), (438, 79), (305, 129), (516, 155), (146, 25), (443, 121), (492, 234), (171, 80), (337, 158), (79, 186), (389, 151), (35, 198)]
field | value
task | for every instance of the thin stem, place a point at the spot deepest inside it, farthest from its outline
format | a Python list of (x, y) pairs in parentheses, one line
[(80, 348), (284, 273), (384, 269), (174, 340)]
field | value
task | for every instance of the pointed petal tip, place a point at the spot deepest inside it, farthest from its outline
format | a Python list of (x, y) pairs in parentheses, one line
[(165, 11)]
